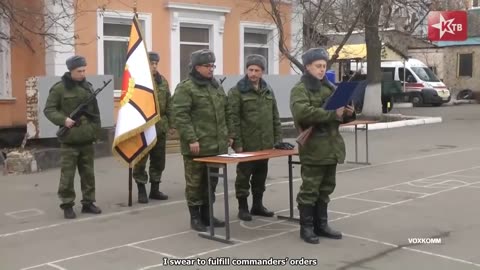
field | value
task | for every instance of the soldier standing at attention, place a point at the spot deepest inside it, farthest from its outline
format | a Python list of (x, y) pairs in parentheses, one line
[(323, 150), (201, 117), (256, 124), (77, 144), (157, 153)]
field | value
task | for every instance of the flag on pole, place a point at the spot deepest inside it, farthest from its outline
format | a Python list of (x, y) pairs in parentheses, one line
[(135, 132)]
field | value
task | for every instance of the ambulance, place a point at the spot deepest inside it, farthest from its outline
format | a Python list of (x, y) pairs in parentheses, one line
[(420, 85)]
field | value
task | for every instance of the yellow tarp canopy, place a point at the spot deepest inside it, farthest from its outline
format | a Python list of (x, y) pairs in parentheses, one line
[(359, 51), (353, 51)]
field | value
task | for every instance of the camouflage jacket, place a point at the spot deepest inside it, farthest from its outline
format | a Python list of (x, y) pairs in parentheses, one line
[(64, 97), (326, 145), (254, 116), (200, 114), (165, 104)]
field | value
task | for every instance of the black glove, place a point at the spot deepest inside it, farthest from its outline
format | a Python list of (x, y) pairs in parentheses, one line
[(284, 146)]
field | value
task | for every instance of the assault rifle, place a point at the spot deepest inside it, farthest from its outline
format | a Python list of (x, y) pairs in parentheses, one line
[(80, 110)]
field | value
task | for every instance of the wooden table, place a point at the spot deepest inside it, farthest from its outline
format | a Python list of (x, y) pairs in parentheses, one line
[(356, 123), (221, 163)]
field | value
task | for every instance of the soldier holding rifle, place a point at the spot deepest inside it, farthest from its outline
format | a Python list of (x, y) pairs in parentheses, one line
[(77, 149), (322, 149)]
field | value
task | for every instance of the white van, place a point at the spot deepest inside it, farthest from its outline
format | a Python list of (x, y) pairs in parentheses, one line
[(421, 87)]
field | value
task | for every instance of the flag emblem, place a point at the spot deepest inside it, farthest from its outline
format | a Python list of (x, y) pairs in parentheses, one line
[(135, 132)]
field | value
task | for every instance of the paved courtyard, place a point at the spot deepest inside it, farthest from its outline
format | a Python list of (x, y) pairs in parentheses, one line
[(423, 186)]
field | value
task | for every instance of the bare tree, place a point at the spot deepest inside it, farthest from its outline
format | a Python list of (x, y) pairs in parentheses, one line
[(315, 13), (372, 99), (36, 23), (345, 16)]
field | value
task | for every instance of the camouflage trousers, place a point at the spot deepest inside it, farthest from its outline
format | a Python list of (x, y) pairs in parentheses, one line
[(254, 173), (196, 189), (73, 157), (318, 182), (157, 163)]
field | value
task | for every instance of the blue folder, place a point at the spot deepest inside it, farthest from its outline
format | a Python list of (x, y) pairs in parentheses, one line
[(342, 96)]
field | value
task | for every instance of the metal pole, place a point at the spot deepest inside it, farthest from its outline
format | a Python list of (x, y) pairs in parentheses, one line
[(210, 201), (356, 144), (366, 140), (130, 172), (225, 197), (290, 184)]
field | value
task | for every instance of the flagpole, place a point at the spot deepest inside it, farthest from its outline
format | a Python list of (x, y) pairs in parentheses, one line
[(130, 185), (130, 171), (135, 8)]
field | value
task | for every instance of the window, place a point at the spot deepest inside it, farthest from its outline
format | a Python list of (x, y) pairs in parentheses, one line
[(256, 43), (194, 27), (388, 73), (425, 74), (465, 65), (191, 39), (409, 77), (260, 39), (114, 33), (5, 62)]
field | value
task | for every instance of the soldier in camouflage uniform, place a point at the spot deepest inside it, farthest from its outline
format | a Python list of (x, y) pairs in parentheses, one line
[(324, 149), (157, 153), (201, 118), (256, 124), (77, 145)]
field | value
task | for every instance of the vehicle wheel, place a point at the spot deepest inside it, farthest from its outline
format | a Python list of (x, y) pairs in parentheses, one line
[(416, 99), (465, 94)]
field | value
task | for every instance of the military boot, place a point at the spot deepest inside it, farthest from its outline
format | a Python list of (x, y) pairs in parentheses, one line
[(320, 222), (205, 213), (258, 209), (155, 192), (142, 193), (243, 213), (306, 224), (195, 220), (68, 213), (91, 209)]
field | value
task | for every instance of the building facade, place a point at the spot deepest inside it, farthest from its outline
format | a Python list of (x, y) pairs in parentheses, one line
[(100, 32)]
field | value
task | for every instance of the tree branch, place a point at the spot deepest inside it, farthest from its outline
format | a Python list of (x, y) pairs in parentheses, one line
[(346, 37), (275, 14)]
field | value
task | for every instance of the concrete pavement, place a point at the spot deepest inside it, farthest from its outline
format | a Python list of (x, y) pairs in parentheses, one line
[(424, 183)]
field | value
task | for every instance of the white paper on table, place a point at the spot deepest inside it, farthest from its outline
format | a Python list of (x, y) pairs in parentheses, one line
[(236, 155)]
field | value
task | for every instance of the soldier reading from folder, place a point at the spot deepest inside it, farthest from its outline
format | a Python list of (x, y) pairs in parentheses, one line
[(323, 149)]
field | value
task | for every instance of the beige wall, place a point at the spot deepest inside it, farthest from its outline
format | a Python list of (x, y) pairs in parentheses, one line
[(240, 11), (432, 58), (26, 63), (451, 68), (86, 28)]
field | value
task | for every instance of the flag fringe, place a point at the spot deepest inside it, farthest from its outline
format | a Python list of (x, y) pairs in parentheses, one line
[(132, 133), (144, 153)]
